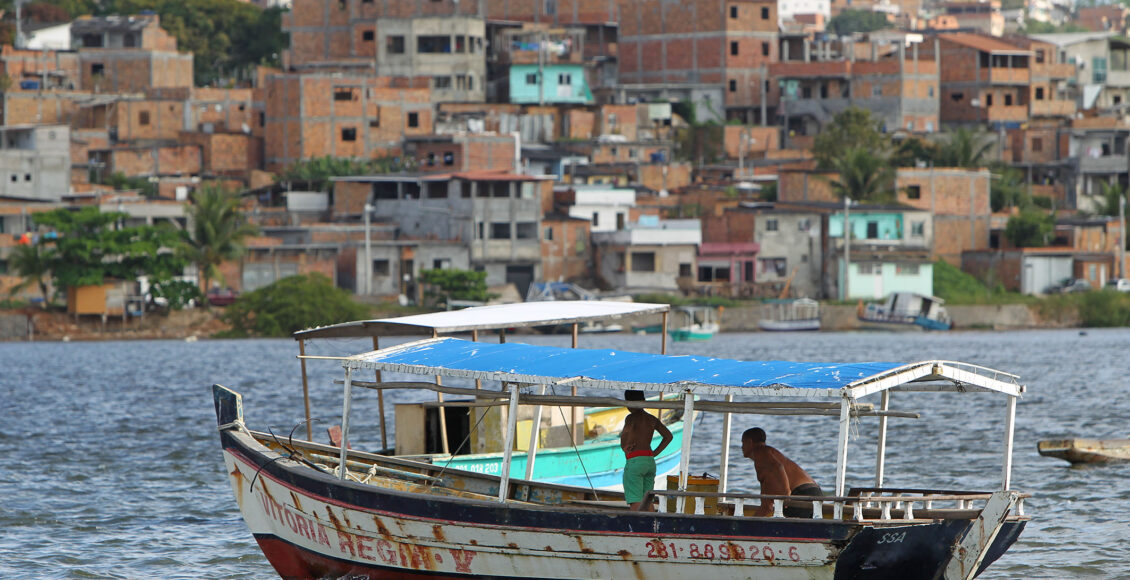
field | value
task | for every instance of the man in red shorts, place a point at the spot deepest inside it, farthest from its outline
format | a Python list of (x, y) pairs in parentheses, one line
[(635, 440)]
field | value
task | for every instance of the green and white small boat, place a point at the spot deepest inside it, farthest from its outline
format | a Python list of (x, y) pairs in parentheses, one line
[(694, 323)]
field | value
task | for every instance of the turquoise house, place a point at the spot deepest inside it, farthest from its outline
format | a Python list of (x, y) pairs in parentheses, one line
[(560, 84), (890, 252)]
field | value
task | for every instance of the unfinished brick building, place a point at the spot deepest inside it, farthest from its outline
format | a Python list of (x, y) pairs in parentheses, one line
[(122, 54)]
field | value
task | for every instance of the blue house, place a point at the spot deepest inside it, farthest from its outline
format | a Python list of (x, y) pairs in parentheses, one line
[(890, 251), (557, 84)]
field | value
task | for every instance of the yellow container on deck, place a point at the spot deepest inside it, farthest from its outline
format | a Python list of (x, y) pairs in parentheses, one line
[(696, 484)]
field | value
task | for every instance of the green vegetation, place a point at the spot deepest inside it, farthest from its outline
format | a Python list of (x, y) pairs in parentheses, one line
[(290, 305), (217, 233), (864, 176), (852, 128), (33, 262), (228, 38), (851, 21), (440, 286), (965, 148), (93, 246), (1104, 308), (958, 287), (316, 173), (1030, 228), (677, 300), (120, 182), (1037, 27), (1007, 190)]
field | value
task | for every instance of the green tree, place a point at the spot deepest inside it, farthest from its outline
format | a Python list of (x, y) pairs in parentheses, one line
[(849, 22), (965, 148), (912, 151), (851, 128), (216, 231), (317, 172), (93, 246), (441, 286), (1029, 229), (863, 176), (1112, 193), (1037, 27), (290, 305), (1007, 189), (33, 263)]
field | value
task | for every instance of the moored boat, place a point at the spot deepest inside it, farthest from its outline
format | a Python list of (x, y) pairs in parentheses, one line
[(797, 315), (322, 511), (906, 311), (694, 323), (1080, 451)]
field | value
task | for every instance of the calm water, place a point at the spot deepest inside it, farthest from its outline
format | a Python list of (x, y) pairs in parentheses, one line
[(111, 466)]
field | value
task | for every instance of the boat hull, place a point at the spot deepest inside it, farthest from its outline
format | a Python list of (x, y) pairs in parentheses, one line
[(310, 523), (1081, 451), (789, 325)]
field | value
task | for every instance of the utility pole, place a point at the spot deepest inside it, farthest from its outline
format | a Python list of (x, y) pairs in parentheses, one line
[(1122, 236), (368, 253), (847, 245)]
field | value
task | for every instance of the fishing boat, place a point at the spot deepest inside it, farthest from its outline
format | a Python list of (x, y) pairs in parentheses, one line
[(577, 446), (567, 291), (694, 323), (906, 311), (1080, 451), (790, 315), (332, 511)]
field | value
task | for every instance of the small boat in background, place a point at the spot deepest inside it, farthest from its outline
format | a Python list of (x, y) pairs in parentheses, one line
[(791, 315), (906, 311), (1078, 451), (694, 323)]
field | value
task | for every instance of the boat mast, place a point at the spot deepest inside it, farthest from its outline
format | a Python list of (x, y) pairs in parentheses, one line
[(306, 388), (345, 421), (724, 470), (688, 431), (880, 454), (841, 447), (1009, 431)]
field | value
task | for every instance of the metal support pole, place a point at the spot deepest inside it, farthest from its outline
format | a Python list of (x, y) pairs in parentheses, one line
[(724, 470), (305, 388), (381, 402), (847, 247), (1122, 235), (442, 412), (535, 430), (345, 421), (685, 459), (368, 253), (1009, 431), (508, 452), (841, 449), (880, 454), (663, 344), (578, 430)]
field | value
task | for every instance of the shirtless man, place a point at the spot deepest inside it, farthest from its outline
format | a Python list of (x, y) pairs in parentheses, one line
[(635, 440), (778, 474)]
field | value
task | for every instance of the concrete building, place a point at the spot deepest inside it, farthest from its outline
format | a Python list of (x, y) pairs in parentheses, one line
[(607, 208), (448, 51), (649, 255), (703, 42), (1102, 68), (980, 15), (890, 251), (37, 70), (1099, 145), (317, 114), (1050, 95), (35, 162), (463, 152), (122, 54)]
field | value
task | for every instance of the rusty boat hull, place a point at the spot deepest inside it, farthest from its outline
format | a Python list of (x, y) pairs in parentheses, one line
[(1084, 451), (412, 520)]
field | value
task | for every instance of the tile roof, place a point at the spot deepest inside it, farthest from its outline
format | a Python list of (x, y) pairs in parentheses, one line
[(982, 43)]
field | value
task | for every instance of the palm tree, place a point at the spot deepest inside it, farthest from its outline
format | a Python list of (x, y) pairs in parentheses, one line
[(216, 232), (1112, 193), (863, 175), (965, 148), (33, 262)]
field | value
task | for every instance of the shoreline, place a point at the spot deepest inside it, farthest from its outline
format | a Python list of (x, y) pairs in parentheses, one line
[(194, 324)]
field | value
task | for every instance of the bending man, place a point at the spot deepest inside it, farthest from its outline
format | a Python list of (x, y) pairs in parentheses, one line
[(635, 440), (778, 474)]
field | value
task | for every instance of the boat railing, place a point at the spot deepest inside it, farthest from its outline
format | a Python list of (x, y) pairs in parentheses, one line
[(871, 505)]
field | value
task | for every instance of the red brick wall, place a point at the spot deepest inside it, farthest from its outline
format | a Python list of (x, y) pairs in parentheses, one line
[(173, 160)]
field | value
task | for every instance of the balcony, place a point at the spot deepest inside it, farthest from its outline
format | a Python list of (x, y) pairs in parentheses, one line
[(1006, 76), (1103, 164), (1064, 71), (1006, 113), (1060, 108)]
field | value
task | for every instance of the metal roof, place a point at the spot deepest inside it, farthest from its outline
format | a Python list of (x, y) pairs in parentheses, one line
[(501, 316), (618, 370)]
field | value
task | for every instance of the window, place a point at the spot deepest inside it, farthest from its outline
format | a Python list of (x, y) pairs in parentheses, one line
[(500, 230), (684, 270), (129, 41), (910, 125), (764, 49), (430, 160), (97, 68), (343, 94), (1098, 70), (549, 233), (15, 178), (806, 93), (262, 119), (733, 86), (368, 36), (1117, 99), (803, 225), (823, 90), (441, 82), (441, 264), (876, 90), (526, 231), (914, 192), (1039, 56), (143, 118), (906, 269), (348, 134), (733, 11), (532, 79), (394, 45), (91, 40), (449, 158), (733, 48), (957, 97), (1039, 93), (643, 261), (917, 229), (872, 230), (867, 269), (765, 13), (380, 267), (989, 100), (1008, 100), (1037, 144), (930, 91), (595, 219), (773, 266), (27, 177), (771, 225), (460, 44), (564, 79), (434, 44), (413, 119)]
